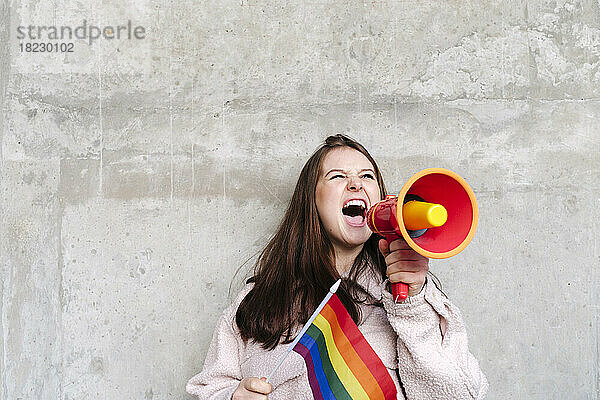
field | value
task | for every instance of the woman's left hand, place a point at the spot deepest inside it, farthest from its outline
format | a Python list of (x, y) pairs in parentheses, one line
[(404, 264)]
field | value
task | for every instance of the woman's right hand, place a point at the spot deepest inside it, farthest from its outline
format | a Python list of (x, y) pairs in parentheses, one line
[(252, 389)]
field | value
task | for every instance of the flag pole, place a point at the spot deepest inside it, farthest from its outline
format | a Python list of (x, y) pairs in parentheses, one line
[(332, 290)]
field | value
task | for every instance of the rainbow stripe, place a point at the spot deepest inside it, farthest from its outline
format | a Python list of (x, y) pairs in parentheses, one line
[(340, 362)]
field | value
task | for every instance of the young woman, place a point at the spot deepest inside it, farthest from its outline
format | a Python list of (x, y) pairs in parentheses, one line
[(421, 341)]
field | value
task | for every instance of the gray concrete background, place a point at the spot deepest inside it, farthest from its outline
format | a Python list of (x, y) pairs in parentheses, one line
[(137, 176)]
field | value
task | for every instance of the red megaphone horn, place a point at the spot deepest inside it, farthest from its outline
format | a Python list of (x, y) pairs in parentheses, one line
[(436, 213)]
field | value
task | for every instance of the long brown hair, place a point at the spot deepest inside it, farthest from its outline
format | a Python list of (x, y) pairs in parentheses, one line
[(297, 267)]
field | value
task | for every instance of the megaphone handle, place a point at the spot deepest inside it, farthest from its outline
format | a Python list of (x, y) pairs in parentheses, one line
[(399, 289)]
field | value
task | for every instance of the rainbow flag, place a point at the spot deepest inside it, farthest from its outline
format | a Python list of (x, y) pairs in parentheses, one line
[(340, 362)]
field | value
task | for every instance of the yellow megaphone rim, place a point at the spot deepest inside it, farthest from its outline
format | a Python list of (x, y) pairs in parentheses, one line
[(404, 231)]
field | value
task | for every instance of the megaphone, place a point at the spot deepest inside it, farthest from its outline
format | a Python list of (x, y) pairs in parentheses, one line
[(436, 214)]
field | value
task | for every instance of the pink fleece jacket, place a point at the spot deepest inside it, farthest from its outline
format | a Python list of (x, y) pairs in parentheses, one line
[(422, 342)]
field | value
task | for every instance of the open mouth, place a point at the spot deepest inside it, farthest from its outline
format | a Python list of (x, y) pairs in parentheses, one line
[(354, 212)]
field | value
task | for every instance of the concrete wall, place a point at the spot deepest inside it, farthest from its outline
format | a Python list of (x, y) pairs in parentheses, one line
[(138, 175)]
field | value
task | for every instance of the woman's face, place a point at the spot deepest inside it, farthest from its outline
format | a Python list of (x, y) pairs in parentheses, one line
[(346, 188)]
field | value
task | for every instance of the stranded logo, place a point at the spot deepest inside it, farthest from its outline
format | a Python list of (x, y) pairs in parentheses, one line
[(43, 38)]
